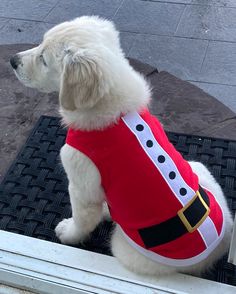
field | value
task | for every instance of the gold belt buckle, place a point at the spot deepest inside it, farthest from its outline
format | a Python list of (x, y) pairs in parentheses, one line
[(184, 219)]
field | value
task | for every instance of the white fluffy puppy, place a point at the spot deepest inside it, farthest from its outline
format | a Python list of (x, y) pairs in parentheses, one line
[(83, 61)]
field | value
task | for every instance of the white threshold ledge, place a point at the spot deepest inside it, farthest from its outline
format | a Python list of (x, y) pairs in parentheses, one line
[(45, 267)]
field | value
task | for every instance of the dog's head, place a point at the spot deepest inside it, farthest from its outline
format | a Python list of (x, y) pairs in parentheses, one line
[(75, 59)]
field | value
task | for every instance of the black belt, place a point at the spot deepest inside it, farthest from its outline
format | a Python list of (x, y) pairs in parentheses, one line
[(188, 219)]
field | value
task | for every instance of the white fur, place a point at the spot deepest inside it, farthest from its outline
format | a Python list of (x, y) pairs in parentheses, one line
[(85, 64)]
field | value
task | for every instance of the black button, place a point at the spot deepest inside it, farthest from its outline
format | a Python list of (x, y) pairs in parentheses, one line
[(161, 158), (149, 143), (172, 175), (139, 128), (183, 191)]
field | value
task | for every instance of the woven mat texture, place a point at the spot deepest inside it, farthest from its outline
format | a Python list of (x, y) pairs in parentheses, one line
[(34, 197)]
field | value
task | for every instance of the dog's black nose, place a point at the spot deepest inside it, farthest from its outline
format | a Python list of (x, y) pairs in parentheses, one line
[(15, 61)]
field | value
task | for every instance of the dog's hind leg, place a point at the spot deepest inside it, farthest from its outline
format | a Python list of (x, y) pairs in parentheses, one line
[(206, 180), (133, 260)]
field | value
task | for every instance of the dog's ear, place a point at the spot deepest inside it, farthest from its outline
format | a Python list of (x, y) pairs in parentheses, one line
[(81, 80)]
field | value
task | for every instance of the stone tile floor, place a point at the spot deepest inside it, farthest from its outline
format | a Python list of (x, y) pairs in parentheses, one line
[(192, 39)]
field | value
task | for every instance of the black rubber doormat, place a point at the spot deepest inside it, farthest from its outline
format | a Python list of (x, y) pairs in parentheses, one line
[(34, 197)]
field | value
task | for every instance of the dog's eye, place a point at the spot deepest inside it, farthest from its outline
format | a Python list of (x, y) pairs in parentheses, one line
[(42, 59)]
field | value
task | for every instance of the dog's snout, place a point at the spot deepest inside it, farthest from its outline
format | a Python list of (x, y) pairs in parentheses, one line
[(15, 61)]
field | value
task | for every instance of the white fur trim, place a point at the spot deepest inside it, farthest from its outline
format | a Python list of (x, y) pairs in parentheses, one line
[(132, 120), (208, 231)]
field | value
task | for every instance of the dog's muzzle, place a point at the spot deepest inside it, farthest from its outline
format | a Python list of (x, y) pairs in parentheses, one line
[(15, 61)]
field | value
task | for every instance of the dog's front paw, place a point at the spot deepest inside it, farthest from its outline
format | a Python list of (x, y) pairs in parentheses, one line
[(68, 232)]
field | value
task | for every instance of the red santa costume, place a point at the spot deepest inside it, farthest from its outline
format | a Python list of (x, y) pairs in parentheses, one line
[(151, 191)]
